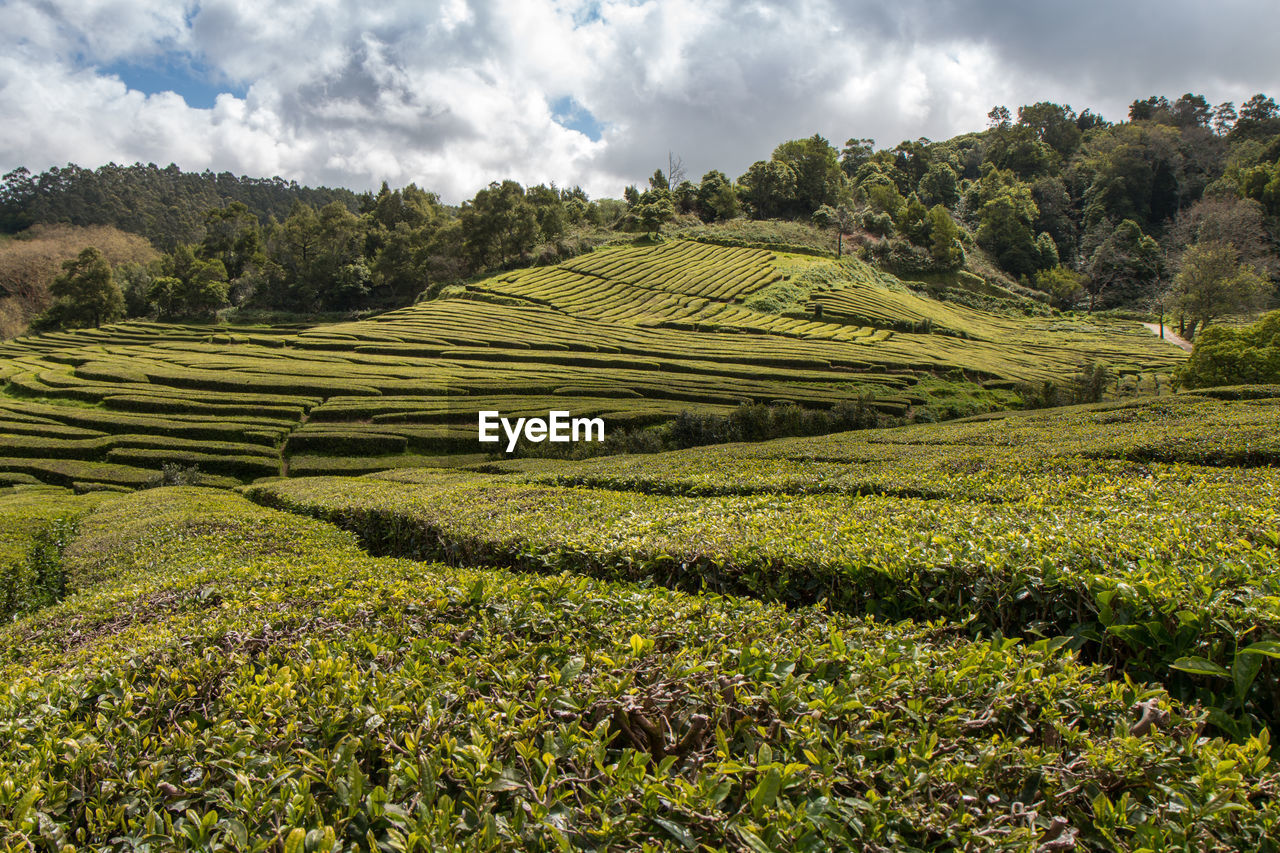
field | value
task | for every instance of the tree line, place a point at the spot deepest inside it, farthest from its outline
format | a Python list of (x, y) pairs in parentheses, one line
[(1175, 209), (165, 205), (328, 259)]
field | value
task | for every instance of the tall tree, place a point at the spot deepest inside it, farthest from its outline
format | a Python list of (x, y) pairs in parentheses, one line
[(1053, 124), (86, 295), (233, 236), (1192, 111), (500, 224), (716, 197), (769, 187), (841, 218), (818, 177), (855, 153), (1211, 282), (1125, 267)]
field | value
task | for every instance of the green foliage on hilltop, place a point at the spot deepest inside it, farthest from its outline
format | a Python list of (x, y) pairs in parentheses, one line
[(165, 205), (1050, 199)]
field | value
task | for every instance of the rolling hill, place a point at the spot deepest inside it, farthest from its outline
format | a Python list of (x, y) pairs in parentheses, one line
[(635, 335)]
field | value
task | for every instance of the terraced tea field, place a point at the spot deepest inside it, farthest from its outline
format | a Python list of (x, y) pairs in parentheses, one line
[(634, 335), (1038, 631)]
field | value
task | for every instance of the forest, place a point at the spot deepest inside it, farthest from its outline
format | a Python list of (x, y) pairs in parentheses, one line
[(1173, 210)]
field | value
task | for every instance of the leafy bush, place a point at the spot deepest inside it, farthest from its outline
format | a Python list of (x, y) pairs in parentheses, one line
[(1226, 356)]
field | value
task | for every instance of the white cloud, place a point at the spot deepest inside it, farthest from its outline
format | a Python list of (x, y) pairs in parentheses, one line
[(453, 94)]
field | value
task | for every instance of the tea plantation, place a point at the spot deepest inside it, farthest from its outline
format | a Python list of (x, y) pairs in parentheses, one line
[(635, 335), (225, 676), (1037, 631)]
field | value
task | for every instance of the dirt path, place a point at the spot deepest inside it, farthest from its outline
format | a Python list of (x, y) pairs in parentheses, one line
[(1169, 335)]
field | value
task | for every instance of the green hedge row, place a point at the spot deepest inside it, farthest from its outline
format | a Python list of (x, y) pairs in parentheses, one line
[(240, 467), (178, 405), (345, 442)]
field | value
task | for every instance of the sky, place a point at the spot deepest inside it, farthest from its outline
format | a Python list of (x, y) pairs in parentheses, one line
[(453, 94)]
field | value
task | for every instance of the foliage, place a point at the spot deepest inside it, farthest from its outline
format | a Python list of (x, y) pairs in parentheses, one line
[(165, 205), (1212, 282), (1226, 356), (30, 262), (288, 686), (86, 294), (1063, 284), (1101, 524), (1124, 267)]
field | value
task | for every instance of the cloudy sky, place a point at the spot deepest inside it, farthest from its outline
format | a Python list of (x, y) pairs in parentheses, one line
[(454, 93)]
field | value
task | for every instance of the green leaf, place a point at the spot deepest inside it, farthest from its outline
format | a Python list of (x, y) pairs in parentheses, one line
[(1270, 648), (294, 843), (572, 669), (508, 780), (678, 832), (766, 793), (1199, 666), (238, 831), (1244, 669), (752, 840)]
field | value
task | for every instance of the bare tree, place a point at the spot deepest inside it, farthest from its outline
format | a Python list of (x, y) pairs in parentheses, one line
[(675, 170)]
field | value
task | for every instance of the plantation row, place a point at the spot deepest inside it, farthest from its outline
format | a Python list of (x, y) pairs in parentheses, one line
[(695, 269), (105, 406), (226, 676), (861, 301), (983, 458), (1035, 526)]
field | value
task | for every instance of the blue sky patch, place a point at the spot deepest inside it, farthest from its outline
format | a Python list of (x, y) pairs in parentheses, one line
[(567, 112), (173, 73)]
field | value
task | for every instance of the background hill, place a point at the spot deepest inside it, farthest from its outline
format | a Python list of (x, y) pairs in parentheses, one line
[(643, 336)]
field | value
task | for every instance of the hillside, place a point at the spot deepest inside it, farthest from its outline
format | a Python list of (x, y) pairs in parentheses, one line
[(635, 335), (167, 206), (29, 264), (223, 674)]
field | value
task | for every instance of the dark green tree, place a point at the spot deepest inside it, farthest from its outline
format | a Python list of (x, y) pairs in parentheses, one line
[(855, 153), (233, 235), (499, 225), (940, 185), (818, 177), (86, 294), (189, 287), (769, 188), (1006, 230), (716, 199), (1125, 267), (944, 239), (1053, 124)]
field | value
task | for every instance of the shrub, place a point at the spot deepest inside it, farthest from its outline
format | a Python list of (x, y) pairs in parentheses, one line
[(1226, 356)]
